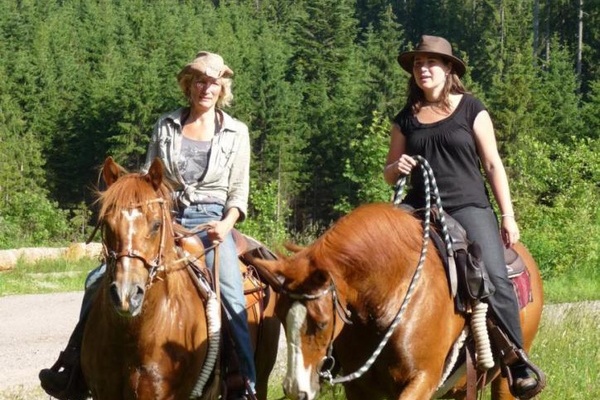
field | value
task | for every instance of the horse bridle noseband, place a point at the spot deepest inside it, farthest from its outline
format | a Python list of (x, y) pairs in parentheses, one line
[(328, 361)]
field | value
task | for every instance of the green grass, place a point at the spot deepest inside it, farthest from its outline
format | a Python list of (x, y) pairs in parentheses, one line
[(46, 276), (568, 350), (572, 286)]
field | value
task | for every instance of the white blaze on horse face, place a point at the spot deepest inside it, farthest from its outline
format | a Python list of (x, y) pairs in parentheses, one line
[(131, 215), (298, 378)]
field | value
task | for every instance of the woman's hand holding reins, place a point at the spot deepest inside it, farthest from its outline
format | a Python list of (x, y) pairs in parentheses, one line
[(404, 165), (218, 230)]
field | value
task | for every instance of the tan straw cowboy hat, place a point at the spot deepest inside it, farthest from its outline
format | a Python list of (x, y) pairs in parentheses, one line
[(432, 45), (209, 64)]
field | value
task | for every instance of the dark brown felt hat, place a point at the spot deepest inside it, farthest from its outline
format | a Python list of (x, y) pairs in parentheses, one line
[(432, 45)]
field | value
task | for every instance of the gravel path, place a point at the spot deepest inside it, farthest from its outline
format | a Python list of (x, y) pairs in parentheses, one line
[(33, 331), (35, 328)]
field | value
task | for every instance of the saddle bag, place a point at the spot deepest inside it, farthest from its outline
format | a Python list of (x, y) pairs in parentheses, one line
[(473, 279)]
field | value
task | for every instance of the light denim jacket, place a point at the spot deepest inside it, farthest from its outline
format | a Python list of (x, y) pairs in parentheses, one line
[(227, 177)]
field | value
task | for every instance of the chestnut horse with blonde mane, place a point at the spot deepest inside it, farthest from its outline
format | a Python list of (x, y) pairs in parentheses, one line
[(341, 294), (146, 335)]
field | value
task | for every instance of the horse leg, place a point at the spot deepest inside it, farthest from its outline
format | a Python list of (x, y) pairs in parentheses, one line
[(355, 391), (422, 386)]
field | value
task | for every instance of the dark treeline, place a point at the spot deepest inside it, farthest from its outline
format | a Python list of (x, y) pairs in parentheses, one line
[(317, 82)]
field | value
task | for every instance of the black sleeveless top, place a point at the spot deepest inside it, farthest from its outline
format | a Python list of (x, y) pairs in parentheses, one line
[(449, 147)]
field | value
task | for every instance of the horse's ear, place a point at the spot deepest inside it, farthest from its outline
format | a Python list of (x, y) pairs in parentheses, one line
[(156, 173), (294, 248), (111, 171), (271, 266)]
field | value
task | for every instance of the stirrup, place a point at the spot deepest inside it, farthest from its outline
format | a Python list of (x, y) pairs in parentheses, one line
[(540, 377)]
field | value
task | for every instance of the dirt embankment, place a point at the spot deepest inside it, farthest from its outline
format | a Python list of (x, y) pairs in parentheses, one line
[(9, 258)]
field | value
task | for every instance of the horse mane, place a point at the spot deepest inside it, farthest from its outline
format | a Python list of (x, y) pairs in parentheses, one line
[(133, 189), (374, 237)]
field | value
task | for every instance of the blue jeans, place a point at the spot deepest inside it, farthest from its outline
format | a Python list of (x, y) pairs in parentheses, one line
[(482, 227), (230, 281), (92, 283)]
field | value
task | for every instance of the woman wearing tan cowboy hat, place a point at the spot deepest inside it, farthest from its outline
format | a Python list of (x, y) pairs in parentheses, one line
[(206, 154), (453, 131)]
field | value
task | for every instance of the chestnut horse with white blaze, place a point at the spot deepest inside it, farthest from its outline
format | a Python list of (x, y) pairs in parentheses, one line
[(146, 335), (341, 294)]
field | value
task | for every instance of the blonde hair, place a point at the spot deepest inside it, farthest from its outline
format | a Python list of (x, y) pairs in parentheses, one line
[(225, 97)]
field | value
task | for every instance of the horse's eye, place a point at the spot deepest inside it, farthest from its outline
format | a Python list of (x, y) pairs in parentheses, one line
[(321, 325), (155, 227)]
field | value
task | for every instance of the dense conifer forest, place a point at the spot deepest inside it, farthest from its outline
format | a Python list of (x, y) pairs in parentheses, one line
[(317, 82)]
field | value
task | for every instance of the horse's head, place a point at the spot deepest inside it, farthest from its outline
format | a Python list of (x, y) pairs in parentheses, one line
[(136, 224), (310, 311)]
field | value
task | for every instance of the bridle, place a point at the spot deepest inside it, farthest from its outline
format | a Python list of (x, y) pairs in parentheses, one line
[(155, 265), (328, 362)]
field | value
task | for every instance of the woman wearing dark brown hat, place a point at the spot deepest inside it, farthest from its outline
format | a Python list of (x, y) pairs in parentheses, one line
[(206, 154), (453, 131)]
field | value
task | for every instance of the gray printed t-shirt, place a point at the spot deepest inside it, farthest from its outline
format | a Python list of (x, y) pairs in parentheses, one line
[(193, 159)]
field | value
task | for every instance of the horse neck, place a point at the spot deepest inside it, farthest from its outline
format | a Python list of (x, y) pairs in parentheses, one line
[(379, 289)]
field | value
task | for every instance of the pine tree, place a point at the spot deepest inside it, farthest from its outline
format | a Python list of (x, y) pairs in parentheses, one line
[(384, 89), (326, 62)]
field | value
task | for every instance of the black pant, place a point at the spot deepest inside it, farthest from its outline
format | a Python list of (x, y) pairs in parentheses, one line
[(482, 227)]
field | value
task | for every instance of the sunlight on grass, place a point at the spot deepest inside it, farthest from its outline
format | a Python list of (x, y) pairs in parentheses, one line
[(46, 276), (23, 393), (567, 349), (577, 285)]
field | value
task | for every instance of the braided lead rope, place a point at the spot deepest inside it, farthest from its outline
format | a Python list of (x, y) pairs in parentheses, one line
[(213, 316), (358, 373), (431, 185)]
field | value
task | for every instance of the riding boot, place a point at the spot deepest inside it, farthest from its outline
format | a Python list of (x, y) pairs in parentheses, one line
[(64, 380), (525, 379)]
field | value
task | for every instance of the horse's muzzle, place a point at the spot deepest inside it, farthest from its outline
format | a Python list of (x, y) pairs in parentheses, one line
[(127, 299)]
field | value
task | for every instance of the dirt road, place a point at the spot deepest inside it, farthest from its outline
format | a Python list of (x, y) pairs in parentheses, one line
[(33, 331)]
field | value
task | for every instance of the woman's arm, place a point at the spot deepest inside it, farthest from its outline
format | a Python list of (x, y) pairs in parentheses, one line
[(239, 175), (152, 151), (397, 162), (496, 175)]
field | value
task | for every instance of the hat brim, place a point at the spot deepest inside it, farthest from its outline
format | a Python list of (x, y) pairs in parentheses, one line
[(226, 72), (406, 60)]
